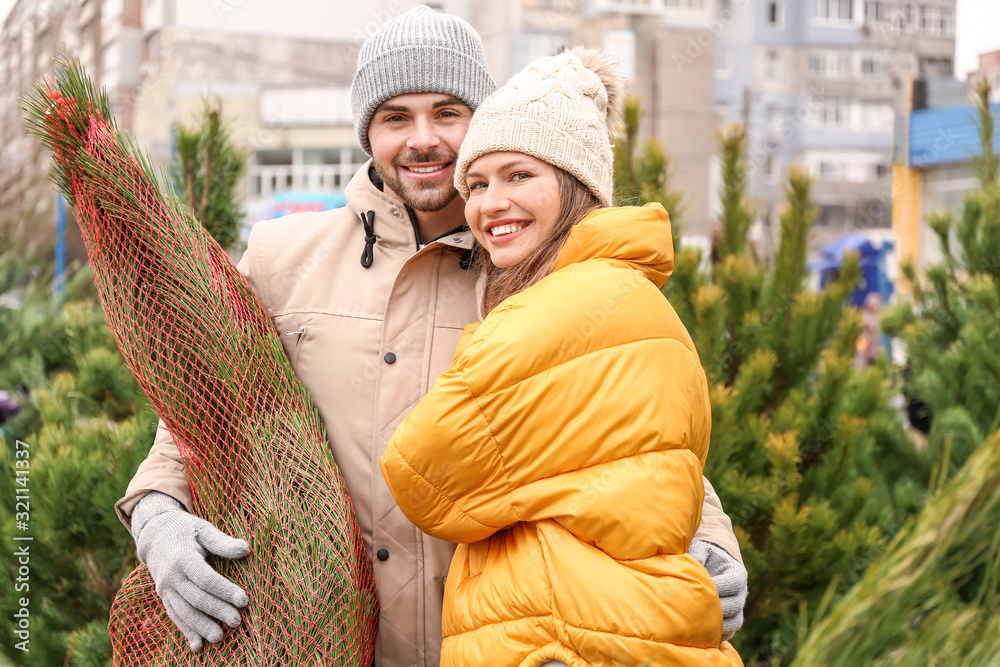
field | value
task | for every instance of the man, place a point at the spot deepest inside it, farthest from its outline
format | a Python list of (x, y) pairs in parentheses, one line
[(370, 301)]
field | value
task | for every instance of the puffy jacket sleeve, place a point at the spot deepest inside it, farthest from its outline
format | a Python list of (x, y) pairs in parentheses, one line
[(163, 469), (444, 468)]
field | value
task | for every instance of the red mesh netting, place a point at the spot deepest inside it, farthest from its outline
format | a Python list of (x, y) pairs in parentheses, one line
[(206, 354)]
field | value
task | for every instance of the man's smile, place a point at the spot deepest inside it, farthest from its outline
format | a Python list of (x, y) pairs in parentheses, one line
[(421, 171)]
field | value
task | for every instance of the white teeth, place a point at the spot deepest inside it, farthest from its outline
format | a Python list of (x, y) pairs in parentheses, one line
[(508, 229), (426, 170)]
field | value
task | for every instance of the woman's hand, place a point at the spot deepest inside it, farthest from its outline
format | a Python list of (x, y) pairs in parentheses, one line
[(730, 579)]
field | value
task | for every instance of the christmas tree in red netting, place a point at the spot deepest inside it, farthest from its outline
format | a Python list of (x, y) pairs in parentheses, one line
[(205, 352)]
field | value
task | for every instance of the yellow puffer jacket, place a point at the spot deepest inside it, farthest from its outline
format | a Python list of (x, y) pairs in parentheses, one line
[(563, 449)]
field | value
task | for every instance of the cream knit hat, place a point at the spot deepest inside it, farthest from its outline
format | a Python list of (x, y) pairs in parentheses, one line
[(558, 109)]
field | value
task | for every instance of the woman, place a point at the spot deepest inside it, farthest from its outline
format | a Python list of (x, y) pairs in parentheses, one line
[(563, 449)]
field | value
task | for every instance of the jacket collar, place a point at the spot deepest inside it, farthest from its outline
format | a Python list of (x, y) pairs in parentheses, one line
[(637, 235), (394, 225)]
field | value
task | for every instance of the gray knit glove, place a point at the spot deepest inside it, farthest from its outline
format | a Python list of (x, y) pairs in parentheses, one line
[(730, 579), (173, 545)]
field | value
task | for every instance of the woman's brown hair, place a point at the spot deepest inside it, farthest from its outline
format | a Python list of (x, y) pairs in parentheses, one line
[(575, 201)]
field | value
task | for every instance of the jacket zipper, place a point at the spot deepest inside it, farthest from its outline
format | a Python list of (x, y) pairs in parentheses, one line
[(458, 230), (416, 228), (297, 347), (412, 215)]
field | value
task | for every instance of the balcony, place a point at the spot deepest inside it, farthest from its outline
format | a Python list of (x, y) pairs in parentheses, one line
[(266, 180), (680, 10)]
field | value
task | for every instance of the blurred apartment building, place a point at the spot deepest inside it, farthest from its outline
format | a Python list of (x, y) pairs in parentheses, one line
[(823, 84), (646, 37), (106, 37), (989, 67), (935, 148), (283, 74), (820, 83)]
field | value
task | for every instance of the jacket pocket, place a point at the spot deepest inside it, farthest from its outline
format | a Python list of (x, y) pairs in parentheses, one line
[(299, 335), (478, 555)]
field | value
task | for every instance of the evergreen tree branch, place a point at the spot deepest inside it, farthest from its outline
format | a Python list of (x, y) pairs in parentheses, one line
[(189, 169), (737, 215), (987, 164), (212, 136), (99, 583), (906, 602)]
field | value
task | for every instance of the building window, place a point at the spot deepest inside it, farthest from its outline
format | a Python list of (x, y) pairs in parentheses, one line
[(852, 115), (831, 63), (774, 117), (876, 116), (835, 11), (840, 115), (817, 62), (771, 168), (899, 18), (947, 21), (835, 114), (936, 20), (875, 11), (842, 64), (775, 14), (275, 157), (724, 65), (832, 216), (934, 67), (914, 17), (772, 65), (846, 64), (872, 64), (846, 166)]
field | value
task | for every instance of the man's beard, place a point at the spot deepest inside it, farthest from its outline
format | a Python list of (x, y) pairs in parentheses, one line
[(420, 196)]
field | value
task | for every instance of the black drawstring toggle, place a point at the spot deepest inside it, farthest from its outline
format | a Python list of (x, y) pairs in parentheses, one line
[(466, 260), (369, 254)]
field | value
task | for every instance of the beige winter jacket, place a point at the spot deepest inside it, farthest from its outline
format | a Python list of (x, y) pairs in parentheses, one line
[(367, 343)]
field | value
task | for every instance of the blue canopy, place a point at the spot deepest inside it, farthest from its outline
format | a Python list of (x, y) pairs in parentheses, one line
[(871, 258), (832, 256)]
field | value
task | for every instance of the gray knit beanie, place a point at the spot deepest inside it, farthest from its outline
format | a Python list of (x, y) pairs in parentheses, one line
[(559, 109), (421, 51)]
